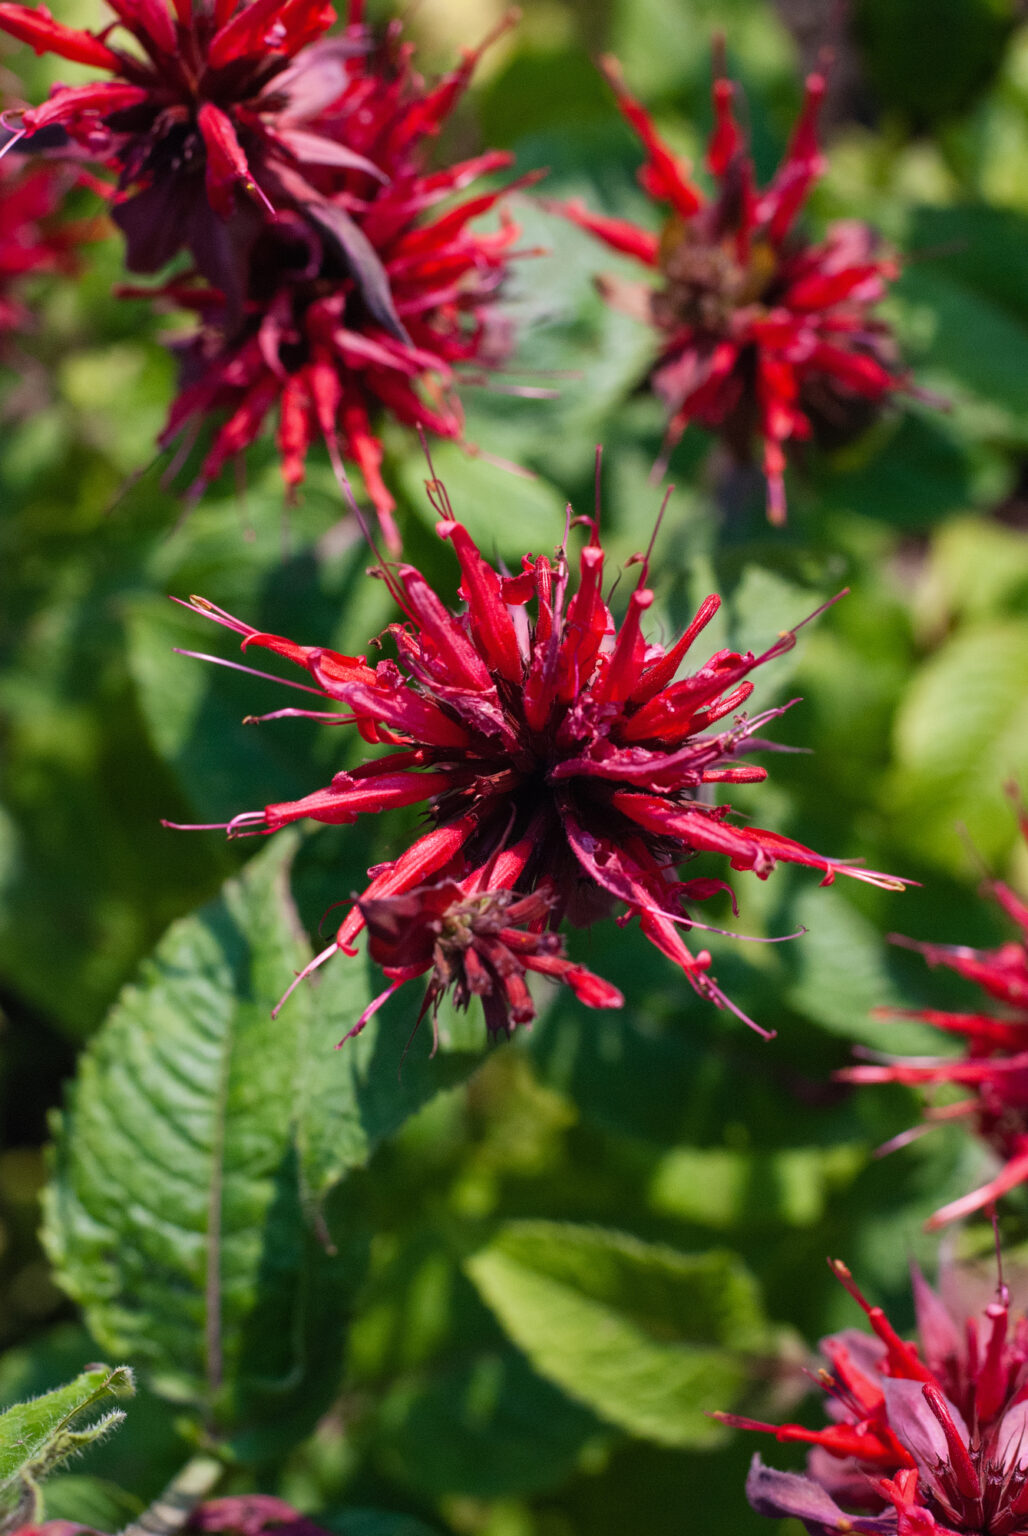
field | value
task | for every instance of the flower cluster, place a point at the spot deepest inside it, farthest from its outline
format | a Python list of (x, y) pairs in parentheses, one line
[(994, 1063), (206, 112), (925, 1440), (32, 239), (761, 333), (558, 757), (329, 283)]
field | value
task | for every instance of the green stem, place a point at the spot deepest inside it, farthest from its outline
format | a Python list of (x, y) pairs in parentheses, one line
[(170, 1513)]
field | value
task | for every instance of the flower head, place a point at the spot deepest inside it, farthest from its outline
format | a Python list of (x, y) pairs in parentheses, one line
[(554, 752), (375, 305), (476, 942), (204, 117), (926, 1439), (356, 289), (761, 334), (32, 239), (994, 1063)]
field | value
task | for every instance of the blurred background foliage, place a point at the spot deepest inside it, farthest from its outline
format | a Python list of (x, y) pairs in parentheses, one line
[(536, 1267)]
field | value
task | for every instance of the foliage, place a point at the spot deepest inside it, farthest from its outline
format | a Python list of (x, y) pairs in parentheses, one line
[(496, 1291), (35, 1437)]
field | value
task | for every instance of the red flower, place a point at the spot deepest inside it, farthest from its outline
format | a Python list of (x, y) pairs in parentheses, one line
[(353, 296), (31, 238), (476, 938), (250, 1514), (309, 344), (925, 1440), (761, 333), (548, 740), (994, 1065), (211, 101)]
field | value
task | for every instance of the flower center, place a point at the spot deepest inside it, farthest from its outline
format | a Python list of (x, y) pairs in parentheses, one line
[(706, 282)]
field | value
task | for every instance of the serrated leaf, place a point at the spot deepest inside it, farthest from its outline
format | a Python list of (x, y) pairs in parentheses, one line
[(174, 1155), (842, 975), (961, 733), (356, 1096), (38, 1435), (180, 1214), (651, 1339), (461, 1411)]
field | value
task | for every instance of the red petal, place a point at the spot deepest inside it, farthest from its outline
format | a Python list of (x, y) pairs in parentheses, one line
[(667, 176), (491, 623), (621, 236), (35, 26), (73, 101)]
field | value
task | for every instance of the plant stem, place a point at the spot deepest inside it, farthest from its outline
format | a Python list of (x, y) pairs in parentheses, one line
[(170, 1512)]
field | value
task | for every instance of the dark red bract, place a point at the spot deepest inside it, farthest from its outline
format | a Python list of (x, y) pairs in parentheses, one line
[(926, 1439), (476, 939), (994, 1062), (552, 751), (762, 334)]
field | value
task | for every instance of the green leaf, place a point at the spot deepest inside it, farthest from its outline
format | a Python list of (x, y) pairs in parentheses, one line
[(375, 1522), (504, 512), (37, 1436), (90, 1501), (180, 1215), (722, 1188), (976, 350), (460, 1411), (651, 1339), (931, 58), (977, 570), (909, 471), (175, 1215), (356, 1096), (961, 733), (983, 247), (841, 970), (485, 1426)]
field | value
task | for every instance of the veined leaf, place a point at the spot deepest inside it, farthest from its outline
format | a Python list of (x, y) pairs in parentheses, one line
[(961, 733), (180, 1215), (651, 1339)]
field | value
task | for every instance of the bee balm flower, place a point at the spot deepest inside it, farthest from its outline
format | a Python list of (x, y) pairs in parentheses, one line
[(331, 337), (555, 754), (762, 335), (925, 1439)]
